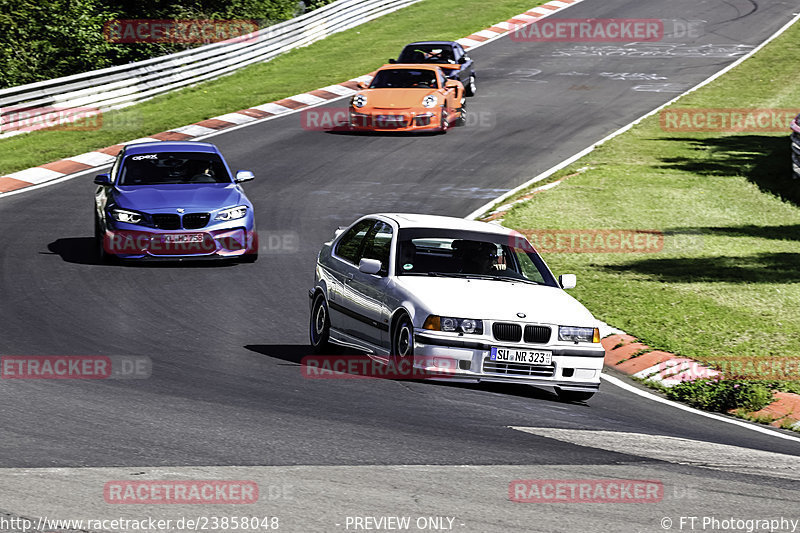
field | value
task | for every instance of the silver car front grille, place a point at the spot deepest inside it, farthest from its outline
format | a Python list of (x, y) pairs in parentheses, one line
[(517, 369)]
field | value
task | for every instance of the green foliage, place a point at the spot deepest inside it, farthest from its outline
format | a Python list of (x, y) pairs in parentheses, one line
[(44, 40), (722, 396), (40, 40)]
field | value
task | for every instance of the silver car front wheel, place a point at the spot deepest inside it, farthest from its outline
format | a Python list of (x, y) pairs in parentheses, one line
[(320, 325), (403, 339)]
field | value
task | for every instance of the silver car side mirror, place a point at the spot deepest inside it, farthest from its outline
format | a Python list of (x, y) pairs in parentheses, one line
[(244, 175), (369, 266), (567, 281)]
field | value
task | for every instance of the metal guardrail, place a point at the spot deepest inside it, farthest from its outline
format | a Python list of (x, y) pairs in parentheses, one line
[(124, 85)]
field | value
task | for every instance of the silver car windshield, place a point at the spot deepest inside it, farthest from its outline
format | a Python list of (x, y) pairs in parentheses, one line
[(470, 254)]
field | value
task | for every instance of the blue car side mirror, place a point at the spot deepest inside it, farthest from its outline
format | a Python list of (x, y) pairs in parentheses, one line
[(103, 179)]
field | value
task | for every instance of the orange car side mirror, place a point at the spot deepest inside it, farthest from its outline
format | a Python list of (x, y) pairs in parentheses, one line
[(362, 85), (451, 84)]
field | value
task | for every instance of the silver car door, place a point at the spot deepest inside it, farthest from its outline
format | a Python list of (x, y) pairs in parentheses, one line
[(368, 291), (344, 262)]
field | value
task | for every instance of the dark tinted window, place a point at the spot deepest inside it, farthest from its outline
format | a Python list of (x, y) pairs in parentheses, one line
[(173, 167), (427, 53), (378, 244), (349, 245), (467, 253)]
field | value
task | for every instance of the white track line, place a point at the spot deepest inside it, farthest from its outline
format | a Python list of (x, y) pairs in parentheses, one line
[(650, 396)]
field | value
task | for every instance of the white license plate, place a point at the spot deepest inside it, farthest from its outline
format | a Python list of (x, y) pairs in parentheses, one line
[(525, 357), (183, 238)]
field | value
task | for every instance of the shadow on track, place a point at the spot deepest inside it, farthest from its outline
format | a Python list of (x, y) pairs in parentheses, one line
[(82, 251), (294, 354)]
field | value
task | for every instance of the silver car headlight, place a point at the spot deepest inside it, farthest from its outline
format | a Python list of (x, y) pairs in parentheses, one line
[(359, 100), (232, 213), (460, 325), (575, 334), (430, 101), (129, 217)]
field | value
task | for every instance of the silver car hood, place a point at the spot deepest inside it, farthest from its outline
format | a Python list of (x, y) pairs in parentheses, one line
[(495, 300)]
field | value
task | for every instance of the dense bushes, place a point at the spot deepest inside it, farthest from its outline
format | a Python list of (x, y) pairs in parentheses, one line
[(722, 396), (43, 40)]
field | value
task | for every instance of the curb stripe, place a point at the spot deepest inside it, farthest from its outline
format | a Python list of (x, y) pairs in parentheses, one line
[(12, 184), (36, 175), (66, 166), (215, 124), (93, 159), (235, 118), (256, 113), (322, 93)]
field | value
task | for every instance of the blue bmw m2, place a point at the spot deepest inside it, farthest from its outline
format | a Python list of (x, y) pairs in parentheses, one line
[(173, 200)]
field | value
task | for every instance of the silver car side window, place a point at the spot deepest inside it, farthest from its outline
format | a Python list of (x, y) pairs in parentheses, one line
[(378, 245), (349, 245)]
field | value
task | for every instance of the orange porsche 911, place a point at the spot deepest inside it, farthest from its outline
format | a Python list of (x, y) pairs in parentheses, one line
[(408, 98)]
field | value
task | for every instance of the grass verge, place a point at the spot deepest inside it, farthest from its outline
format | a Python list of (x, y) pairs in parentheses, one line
[(727, 281), (340, 57)]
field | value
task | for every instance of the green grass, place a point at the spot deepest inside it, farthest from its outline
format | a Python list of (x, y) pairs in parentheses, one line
[(338, 58), (728, 280)]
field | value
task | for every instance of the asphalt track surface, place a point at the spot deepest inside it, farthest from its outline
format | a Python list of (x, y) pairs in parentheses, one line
[(225, 340)]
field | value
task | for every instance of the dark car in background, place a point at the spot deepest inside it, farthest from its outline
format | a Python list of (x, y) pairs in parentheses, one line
[(449, 55)]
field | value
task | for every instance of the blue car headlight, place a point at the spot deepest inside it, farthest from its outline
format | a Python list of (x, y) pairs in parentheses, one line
[(129, 217), (232, 213)]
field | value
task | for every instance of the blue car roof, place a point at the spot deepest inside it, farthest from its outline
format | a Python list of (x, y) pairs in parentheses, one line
[(170, 146)]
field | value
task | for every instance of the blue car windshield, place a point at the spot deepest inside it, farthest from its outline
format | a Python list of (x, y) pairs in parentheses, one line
[(404, 78), (173, 167)]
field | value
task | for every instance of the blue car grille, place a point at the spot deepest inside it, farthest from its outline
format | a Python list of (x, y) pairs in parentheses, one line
[(167, 221), (170, 221), (195, 220)]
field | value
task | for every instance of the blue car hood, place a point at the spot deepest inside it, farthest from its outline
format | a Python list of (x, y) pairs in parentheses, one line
[(205, 197)]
